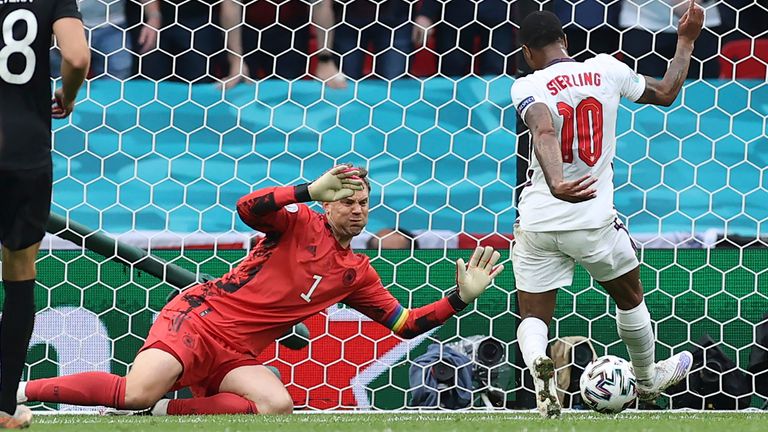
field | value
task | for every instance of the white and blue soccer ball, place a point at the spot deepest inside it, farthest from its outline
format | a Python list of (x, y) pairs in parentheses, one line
[(608, 385)]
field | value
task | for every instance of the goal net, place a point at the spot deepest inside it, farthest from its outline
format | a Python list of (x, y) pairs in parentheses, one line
[(157, 157)]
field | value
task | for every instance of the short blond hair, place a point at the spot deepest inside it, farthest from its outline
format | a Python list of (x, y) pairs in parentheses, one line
[(363, 175)]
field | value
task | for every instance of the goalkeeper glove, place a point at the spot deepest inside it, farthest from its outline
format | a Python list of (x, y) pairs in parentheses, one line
[(338, 183), (472, 280)]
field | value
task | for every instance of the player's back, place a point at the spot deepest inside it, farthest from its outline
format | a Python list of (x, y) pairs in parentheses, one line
[(25, 84), (285, 279), (583, 98)]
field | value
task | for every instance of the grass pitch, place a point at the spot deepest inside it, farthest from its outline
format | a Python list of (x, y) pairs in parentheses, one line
[(415, 422)]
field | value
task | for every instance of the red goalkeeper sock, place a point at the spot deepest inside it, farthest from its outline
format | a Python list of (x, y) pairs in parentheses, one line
[(86, 389), (222, 403)]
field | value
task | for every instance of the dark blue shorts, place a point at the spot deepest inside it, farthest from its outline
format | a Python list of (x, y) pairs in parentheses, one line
[(25, 203)]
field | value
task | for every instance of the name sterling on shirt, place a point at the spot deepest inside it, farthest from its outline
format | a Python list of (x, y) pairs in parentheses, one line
[(561, 82)]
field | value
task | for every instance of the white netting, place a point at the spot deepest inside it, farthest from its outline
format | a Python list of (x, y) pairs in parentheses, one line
[(160, 163)]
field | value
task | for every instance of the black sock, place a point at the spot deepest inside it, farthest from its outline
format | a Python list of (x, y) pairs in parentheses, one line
[(15, 330)]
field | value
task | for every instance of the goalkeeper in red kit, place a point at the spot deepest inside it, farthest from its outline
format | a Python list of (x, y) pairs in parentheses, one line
[(209, 336)]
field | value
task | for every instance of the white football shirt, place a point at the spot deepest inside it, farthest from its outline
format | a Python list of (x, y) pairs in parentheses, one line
[(583, 98)]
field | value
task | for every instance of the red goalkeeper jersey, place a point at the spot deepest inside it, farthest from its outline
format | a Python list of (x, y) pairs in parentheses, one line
[(297, 270)]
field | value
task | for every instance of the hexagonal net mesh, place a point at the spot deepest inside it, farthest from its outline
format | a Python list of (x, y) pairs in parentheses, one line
[(158, 152)]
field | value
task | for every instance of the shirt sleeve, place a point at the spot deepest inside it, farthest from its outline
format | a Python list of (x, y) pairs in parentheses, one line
[(378, 304), (65, 9), (274, 209), (630, 84), (525, 94)]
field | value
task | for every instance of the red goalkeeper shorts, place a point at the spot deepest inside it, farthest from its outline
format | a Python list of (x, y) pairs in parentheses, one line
[(206, 358)]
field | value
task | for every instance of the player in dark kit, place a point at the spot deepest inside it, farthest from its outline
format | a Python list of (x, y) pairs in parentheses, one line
[(25, 163), (209, 336)]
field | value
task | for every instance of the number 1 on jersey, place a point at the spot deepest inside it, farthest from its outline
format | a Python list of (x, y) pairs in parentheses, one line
[(590, 139), (308, 296)]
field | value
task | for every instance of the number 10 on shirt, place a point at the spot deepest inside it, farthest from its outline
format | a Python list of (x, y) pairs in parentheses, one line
[(590, 140), (308, 295)]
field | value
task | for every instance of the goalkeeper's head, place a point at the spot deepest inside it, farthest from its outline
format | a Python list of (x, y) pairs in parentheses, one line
[(349, 216), (542, 37)]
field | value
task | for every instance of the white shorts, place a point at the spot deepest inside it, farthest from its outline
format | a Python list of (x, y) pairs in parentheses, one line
[(544, 261)]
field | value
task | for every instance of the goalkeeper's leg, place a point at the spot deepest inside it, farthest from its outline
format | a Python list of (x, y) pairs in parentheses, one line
[(153, 374), (244, 390)]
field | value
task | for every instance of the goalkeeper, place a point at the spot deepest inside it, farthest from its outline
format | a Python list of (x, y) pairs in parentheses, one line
[(209, 336)]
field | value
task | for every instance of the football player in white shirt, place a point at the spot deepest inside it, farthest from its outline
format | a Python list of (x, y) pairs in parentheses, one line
[(566, 210)]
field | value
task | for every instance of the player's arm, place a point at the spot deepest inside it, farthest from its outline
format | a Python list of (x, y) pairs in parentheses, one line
[(377, 302), (264, 210), (423, 28), (546, 145), (664, 92), (75, 62), (232, 18), (324, 20), (153, 20)]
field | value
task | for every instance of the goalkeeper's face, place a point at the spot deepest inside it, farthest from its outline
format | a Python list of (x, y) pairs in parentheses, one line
[(348, 216)]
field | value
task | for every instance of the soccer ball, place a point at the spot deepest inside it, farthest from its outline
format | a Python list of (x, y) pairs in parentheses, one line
[(608, 385)]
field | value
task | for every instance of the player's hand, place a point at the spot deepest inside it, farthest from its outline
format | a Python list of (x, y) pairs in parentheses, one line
[(691, 22), (576, 190), (474, 278), (338, 183), (238, 72), (422, 30), (329, 74), (61, 108), (148, 36)]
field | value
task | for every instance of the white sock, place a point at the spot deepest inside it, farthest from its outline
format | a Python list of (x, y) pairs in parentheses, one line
[(532, 335), (635, 330), (161, 407), (21, 393)]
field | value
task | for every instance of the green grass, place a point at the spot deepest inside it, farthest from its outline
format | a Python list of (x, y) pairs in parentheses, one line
[(413, 422)]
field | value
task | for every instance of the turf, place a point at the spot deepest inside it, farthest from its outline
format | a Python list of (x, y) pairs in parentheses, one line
[(413, 422)]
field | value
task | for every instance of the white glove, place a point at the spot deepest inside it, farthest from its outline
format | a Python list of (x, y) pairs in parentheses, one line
[(338, 183), (475, 278)]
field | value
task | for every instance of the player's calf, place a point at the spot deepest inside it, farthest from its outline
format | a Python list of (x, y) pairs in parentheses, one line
[(245, 390), (154, 372), (260, 386), (222, 403), (136, 400), (281, 403)]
